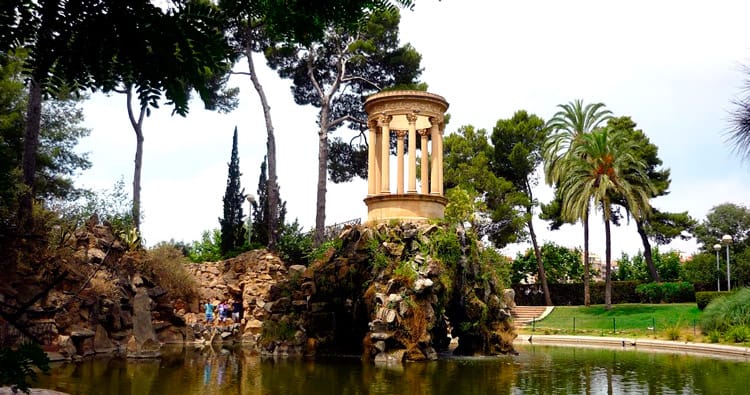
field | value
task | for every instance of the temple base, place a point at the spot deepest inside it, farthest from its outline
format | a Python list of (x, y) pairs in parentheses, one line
[(406, 207)]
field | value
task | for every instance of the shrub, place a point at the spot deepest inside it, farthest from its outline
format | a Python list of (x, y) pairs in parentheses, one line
[(16, 366), (726, 312), (294, 245), (166, 265), (208, 249), (444, 245), (320, 252), (714, 336), (704, 298), (739, 334), (669, 292)]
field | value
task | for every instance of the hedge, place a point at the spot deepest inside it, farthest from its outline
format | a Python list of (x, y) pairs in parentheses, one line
[(704, 298), (668, 292)]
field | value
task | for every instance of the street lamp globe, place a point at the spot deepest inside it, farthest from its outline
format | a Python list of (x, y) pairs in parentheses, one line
[(727, 240)]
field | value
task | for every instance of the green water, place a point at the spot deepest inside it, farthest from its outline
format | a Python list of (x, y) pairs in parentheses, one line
[(536, 370)]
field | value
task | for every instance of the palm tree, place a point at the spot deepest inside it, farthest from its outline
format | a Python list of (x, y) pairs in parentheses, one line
[(567, 127), (739, 132), (602, 166)]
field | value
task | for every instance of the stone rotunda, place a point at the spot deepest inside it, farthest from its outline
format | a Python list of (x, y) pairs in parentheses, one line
[(405, 114)]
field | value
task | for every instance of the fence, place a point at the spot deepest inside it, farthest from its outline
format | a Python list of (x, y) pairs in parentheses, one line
[(333, 231), (617, 326)]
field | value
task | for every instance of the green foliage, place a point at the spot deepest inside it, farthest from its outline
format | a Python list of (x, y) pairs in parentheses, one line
[(668, 265), (261, 212), (701, 268), (671, 292), (714, 336), (208, 248), (725, 219), (18, 366), (703, 299), (464, 207), (495, 267), (377, 256), (672, 332), (233, 222), (445, 245), (494, 200), (738, 334), (726, 312), (131, 238), (165, 264), (335, 74), (295, 245), (319, 252), (561, 264), (60, 130), (406, 271)]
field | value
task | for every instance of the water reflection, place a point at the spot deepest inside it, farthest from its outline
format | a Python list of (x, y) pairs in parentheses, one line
[(538, 369)]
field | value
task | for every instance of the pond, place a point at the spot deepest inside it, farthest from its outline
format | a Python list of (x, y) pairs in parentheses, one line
[(537, 369)]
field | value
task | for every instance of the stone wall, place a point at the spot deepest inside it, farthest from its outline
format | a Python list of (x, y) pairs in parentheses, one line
[(250, 277)]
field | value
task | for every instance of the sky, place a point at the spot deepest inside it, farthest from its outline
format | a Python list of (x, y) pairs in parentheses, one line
[(674, 67)]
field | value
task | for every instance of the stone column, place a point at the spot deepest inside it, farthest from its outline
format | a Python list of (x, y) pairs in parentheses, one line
[(400, 134), (424, 164), (440, 158), (372, 125), (385, 181), (412, 153), (434, 178)]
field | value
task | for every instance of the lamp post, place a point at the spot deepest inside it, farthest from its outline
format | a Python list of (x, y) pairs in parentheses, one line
[(251, 200), (727, 240), (717, 248)]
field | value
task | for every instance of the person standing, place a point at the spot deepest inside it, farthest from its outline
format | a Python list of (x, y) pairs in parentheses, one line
[(209, 312), (236, 311)]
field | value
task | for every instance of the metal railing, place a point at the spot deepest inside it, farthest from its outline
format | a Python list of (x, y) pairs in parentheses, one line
[(332, 231)]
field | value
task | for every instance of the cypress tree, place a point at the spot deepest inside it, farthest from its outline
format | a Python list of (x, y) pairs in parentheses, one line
[(261, 213), (232, 225)]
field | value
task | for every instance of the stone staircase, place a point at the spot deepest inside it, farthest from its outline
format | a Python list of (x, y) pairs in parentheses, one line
[(524, 315)]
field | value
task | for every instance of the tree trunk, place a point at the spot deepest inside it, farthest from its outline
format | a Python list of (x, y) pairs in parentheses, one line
[(647, 252), (272, 187), (608, 270), (586, 263), (539, 263), (30, 148), (320, 206), (138, 129)]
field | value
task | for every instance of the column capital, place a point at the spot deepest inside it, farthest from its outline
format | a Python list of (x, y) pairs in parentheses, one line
[(412, 118), (401, 133), (385, 119), (372, 124), (424, 132)]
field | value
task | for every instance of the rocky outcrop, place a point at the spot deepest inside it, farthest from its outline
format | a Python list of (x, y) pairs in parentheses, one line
[(250, 278), (392, 293), (97, 300)]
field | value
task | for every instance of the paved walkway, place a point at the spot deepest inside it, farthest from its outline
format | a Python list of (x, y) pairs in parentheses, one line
[(716, 350)]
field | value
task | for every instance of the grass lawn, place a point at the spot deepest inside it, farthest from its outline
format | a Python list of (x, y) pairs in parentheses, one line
[(653, 320)]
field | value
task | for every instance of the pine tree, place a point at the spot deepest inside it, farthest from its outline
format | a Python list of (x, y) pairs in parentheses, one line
[(232, 225), (261, 214)]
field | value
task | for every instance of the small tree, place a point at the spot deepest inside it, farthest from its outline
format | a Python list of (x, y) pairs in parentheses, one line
[(233, 225), (261, 231)]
